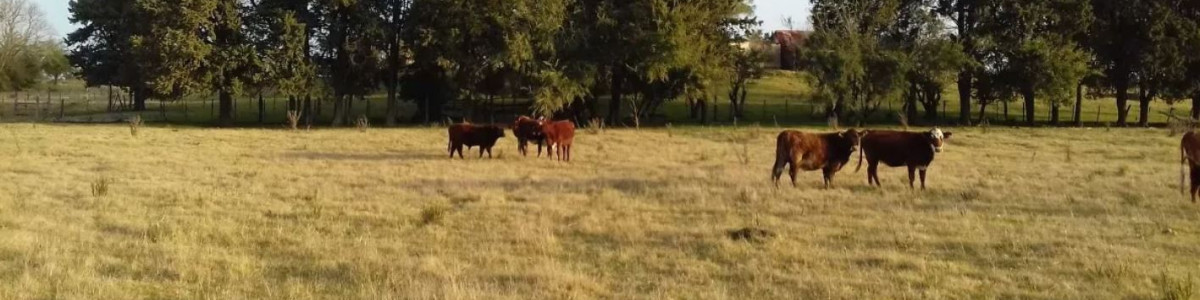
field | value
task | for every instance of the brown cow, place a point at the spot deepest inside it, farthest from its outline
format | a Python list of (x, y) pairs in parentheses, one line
[(1189, 152), (896, 148), (561, 134), (808, 151), (527, 130), (466, 134)]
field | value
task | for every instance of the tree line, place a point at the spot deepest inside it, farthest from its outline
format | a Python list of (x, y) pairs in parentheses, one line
[(865, 52), (554, 57)]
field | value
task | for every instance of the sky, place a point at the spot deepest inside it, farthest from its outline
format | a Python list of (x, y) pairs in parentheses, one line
[(770, 12)]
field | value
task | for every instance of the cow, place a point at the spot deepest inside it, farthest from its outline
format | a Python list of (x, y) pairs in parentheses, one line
[(466, 134), (808, 151), (1189, 152), (560, 134), (527, 130), (914, 150)]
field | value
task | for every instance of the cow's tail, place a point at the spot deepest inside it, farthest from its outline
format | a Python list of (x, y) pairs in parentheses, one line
[(1183, 162), (861, 150), (782, 158)]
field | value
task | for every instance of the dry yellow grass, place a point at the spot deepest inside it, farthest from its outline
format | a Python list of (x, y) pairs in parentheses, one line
[(237, 214)]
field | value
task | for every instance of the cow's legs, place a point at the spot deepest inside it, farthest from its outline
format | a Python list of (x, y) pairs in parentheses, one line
[(911, 174), (793, 171), (450, 148), (458, 148), (873, 173), (922, 179), (828, 175), (489, 150), (539, 148), (777, 170), (521, 146), (568, 152), (1195, 182)]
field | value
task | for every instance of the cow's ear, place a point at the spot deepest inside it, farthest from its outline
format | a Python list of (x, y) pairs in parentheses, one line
[(946, 135), (863, 133), (843, 133)]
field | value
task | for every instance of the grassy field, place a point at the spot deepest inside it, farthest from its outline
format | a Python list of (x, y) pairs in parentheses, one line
[(91, 212), (779, 98)]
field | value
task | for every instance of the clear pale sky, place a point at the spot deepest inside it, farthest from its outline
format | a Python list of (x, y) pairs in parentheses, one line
[(771, 12)]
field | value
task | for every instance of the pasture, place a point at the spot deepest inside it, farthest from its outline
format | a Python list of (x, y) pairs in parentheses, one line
[(179, 212)]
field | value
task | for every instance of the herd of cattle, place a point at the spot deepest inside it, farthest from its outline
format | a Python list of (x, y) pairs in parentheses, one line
[(827, 152), (557, 136)]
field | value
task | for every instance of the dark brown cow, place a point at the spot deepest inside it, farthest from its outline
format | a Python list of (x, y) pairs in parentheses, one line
[(1189, 152), (466, 134), (560, 134), (807, 151), (914, 150), (528, 130)]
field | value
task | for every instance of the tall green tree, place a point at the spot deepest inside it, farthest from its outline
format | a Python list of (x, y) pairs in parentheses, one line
[(965, 18), (1035, 41), (854, 68), (102, 48)]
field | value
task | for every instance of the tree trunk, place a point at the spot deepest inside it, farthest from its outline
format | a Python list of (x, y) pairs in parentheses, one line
[(339, 107), (1196, 106), (1122, 89), (964, 97), (1054, 113), (226, 111), (1005, 105), (139, 99), (982, 112), (1078, 105), (614, 102), (1027, 91), (1144, 97), (307, 111), (393, 73), (262, 107)]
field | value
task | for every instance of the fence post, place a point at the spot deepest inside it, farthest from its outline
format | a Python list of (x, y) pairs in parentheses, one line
[(62, 107)]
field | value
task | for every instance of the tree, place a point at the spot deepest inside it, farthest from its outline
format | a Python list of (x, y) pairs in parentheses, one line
[(745, 64), (1118, 41), (102, 48), (967, 18), (23, 32), (932, 57), (855, 69), (395, 21), (1034, 46)]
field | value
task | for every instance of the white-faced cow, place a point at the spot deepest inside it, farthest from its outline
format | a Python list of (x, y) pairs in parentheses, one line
[(914, 150), (828, 152)]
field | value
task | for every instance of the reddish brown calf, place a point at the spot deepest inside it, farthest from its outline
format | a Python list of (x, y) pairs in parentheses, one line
[(560, 134), (806, 151)]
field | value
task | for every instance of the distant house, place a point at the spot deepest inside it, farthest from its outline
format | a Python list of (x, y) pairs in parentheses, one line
[(787, 46)]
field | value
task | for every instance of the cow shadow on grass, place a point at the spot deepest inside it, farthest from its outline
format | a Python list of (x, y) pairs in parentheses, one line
[(397, 155), (532, 186)]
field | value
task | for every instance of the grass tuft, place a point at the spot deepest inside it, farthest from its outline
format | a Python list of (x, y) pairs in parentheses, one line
[(433, 215), (100, 187)]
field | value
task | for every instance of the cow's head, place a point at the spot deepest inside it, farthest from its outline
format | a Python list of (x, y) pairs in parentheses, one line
[(493, 131), (853, 137), (937, 138)]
